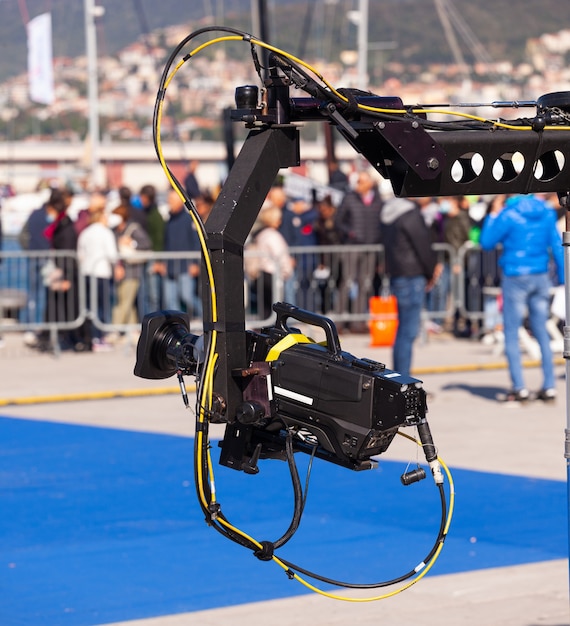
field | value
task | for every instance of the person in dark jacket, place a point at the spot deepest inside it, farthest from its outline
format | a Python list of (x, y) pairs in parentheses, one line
[(456, 230), (411, 264), (32, 237), (191, 182), (61, 277), (526, 228), (330, 267), (181, 275), (358, 217), (155, 229)]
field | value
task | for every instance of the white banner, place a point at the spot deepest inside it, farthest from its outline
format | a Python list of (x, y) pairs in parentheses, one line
[(40, 61)]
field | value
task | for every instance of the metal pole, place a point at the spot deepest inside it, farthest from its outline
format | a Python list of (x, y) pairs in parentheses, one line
[(566, 354), (263, 24), (363, 45), (91, 12)]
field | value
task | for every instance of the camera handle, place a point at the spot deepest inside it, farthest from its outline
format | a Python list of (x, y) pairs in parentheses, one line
[(284, 311)]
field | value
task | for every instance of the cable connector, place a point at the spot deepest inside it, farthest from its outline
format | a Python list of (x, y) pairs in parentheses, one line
[(414, 476), (427, 441), (436, 472), (183, 389), (430, 451)]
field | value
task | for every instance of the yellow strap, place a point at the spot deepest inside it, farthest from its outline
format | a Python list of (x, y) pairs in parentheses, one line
[(285, 343)]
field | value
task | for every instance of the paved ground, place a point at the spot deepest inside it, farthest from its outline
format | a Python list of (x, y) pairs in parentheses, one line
[(470, 428)]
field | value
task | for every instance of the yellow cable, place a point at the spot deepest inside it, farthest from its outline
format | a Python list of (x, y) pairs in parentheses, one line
[(214, 41), (206, 395), (331, 88), (398, 111), (206, 391), (197, 222)]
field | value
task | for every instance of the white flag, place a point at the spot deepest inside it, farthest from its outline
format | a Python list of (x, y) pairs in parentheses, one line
[(40, 61)]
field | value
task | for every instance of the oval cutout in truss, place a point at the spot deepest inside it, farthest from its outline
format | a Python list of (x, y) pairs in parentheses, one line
[(549, 165), (467, 167), (508, 166)]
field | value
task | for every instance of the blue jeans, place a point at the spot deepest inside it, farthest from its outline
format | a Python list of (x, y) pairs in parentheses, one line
[(519, 294), (436, 299), (410, 291), (181, 292), (153, 291)]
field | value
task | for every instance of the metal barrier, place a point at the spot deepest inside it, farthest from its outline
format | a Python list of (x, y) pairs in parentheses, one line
[(32, 288), (478, 285), (333, 280)]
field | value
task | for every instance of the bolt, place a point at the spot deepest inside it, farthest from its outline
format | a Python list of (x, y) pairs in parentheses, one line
[(433, 163)]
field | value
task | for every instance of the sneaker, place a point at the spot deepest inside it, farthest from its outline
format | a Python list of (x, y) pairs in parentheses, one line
[(433, 327), (546, 395), (520, 395), (82, 346), (100, 345), (30, 339)]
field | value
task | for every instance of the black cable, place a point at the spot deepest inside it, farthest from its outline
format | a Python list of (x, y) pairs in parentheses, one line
[(212, 513), (310, 84), (440, 539), (297, 494)]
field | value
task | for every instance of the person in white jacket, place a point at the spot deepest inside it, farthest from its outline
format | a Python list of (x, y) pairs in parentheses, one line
[(97, 254), (271, 258)]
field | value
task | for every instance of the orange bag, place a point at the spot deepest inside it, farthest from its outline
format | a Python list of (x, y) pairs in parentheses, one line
[(384, 320)]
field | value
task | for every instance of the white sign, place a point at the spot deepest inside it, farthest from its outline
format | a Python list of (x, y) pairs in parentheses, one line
[(40, 60)]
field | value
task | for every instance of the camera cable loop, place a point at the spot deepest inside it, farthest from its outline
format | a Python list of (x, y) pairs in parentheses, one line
[(265, 550)]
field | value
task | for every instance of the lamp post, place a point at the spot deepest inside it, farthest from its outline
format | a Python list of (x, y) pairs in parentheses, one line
[(360, 18), (91, 13)]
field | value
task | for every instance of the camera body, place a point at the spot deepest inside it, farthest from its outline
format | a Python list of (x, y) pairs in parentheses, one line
[(340, 408)]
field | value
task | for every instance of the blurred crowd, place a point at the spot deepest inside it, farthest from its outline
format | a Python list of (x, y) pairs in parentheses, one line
[(115, 227), (109, 236)]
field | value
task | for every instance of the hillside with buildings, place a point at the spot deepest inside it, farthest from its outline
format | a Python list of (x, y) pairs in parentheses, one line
[(523, 56), (128, 81), (128, 75), (317, 28)]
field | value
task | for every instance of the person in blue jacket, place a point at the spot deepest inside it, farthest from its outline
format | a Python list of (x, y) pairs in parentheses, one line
[(525, 226)]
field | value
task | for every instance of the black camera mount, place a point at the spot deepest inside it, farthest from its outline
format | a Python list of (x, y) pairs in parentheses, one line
[(418, 162)]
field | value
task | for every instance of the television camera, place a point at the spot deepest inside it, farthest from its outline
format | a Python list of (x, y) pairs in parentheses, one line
[(277, 391), (341, 408)]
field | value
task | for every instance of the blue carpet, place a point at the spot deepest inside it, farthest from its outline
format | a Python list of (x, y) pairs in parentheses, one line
[(102, 525)]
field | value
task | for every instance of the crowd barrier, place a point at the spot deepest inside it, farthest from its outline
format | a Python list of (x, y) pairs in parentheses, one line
[(337, 281)]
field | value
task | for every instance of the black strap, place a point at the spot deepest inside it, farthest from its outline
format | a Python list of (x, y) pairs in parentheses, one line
[(265, 553)]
